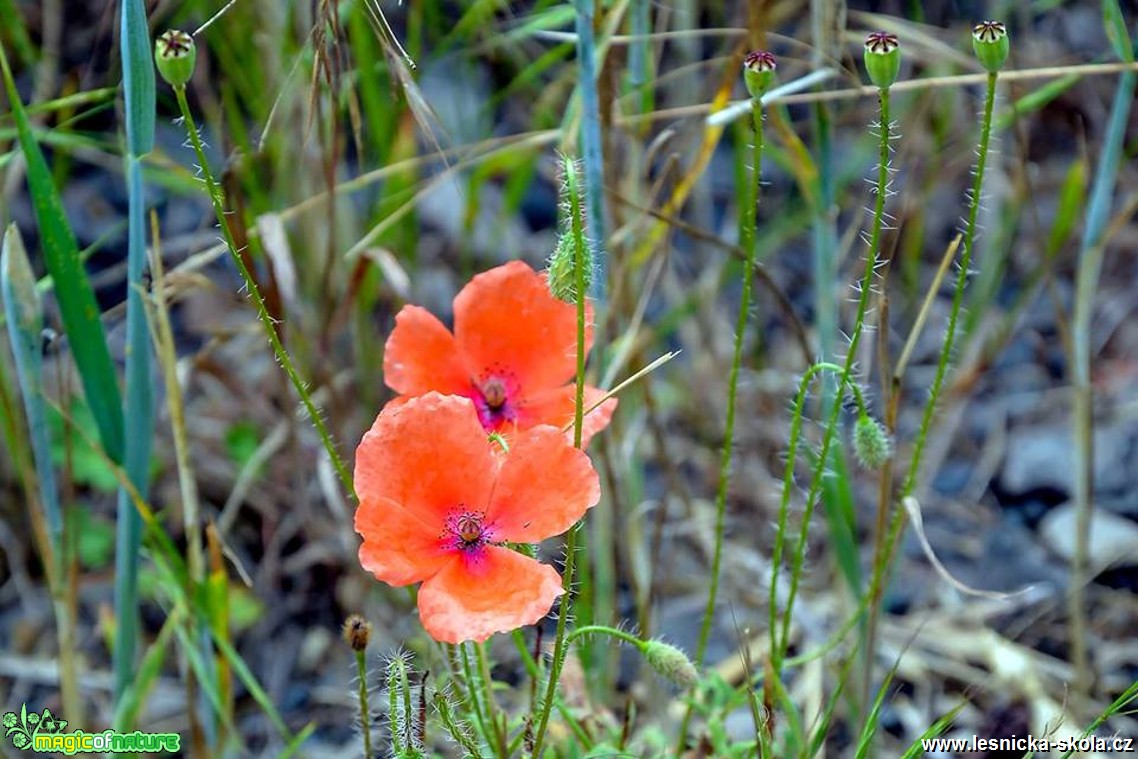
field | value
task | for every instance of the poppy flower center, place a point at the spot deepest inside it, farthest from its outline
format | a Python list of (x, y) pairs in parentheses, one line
[(495, 398), (466, 530), (494, 391)]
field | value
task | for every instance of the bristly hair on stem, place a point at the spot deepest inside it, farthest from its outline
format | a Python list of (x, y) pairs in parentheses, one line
[(882, 55), (758, 75), (580, 256), (217, 198)]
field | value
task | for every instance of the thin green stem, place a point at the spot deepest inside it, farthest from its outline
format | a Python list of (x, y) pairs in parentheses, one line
[(883, 556), (472, 691), (958, 295), (216, 197), (580, 251), (456, 730), (882, 190), (365, 712), (747, 242), (408, 710), (606, 630), (488, 695)]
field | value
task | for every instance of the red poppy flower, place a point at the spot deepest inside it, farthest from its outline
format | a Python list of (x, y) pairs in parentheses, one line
[(513, 352), (438, 501)]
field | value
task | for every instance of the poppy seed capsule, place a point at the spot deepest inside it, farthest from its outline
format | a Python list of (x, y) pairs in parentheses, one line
[(871, 443), (175, 55), (357, 632), (882, 59), (991, 44), (670, 663), (758, 72)]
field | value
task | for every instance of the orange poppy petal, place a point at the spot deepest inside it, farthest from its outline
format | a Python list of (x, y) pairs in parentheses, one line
[(429, 455), (545, 486), (421, 355), (399, 548), (495, 590), (507, 321), (558, 407)]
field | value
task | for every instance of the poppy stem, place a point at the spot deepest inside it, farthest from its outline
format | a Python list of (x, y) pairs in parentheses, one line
[(217, 198), (488, 696), (581, 259), (750, 197), (365, 711)]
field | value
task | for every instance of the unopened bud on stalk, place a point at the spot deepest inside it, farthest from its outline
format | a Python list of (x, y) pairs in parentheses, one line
[(175, 55), (573, 244), (871, 443), (357, 632), (882, 59), (991, 44), (670, 663), (758, 72)]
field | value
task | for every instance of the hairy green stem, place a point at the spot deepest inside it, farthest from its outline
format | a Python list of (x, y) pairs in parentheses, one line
[(488, 696), (747, 242), (216, 197), (472, 692), (778, 651), (883, 553), (365, 712), (606, 630), (581, 250)]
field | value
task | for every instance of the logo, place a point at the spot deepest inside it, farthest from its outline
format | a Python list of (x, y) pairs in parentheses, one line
[(44, 732)]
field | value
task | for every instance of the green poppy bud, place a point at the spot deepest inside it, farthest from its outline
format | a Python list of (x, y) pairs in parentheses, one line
[(561, 272), (871, 443), (882, 59), (758, 72), (175, 55), (670, 663), (991, 44)]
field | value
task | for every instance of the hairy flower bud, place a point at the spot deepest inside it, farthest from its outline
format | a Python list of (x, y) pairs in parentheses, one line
[(175, 55), (573, 245), (670, 663), (758, 72), (991, 44), (882, 59), (871, 443), (357, 632)]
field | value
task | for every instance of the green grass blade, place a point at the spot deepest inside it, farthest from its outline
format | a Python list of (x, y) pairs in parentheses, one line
[(1116, 31), (130, 705), (937, 728), (137, 78), (138, 86), (24, 313), (73, 290)]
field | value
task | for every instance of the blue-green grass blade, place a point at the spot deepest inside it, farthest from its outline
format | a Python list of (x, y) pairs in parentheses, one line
[(137, 78), (24, 313), (138, 413), (73, 290)]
